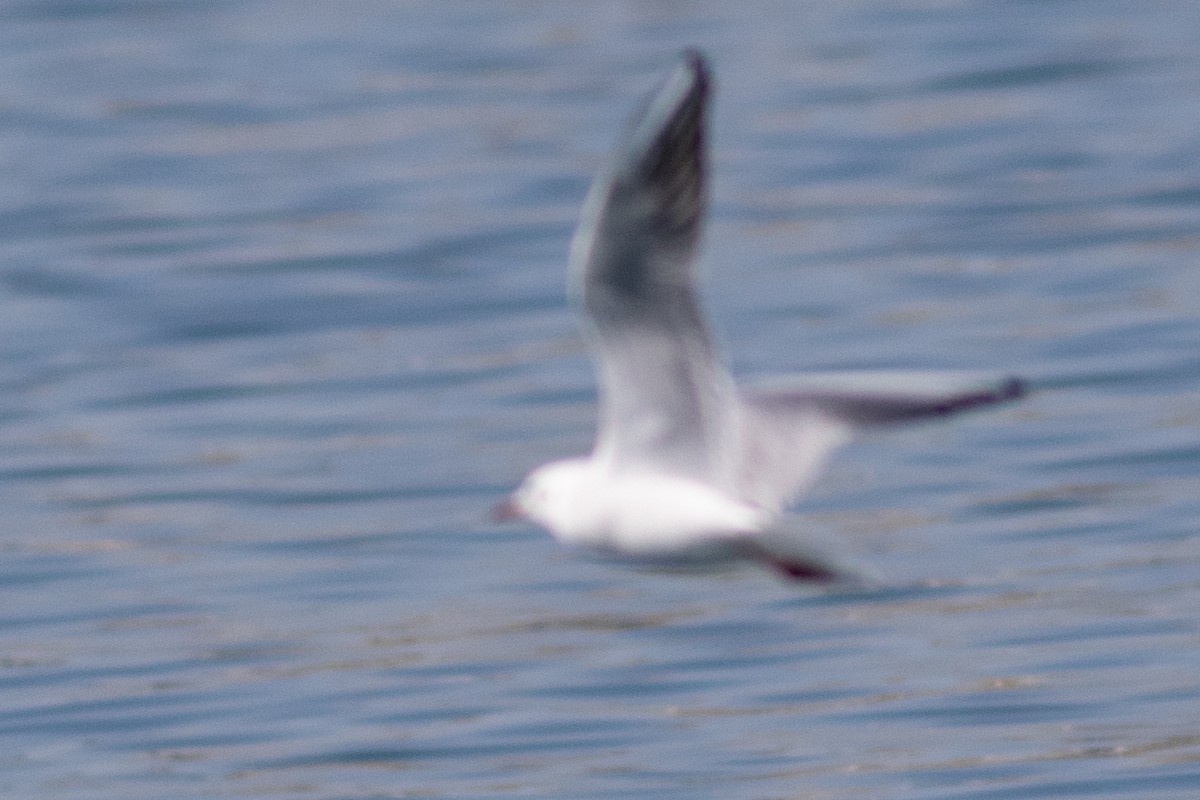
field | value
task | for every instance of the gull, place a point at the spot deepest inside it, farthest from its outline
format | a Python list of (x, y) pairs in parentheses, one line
[(687, 469)]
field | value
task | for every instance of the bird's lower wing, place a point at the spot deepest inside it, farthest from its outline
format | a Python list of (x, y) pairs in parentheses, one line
[(798, 552), (790, 429)]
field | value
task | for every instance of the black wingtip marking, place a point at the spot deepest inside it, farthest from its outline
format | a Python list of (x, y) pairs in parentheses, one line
[(1011, 389), (805, 571), (697, 63), (1014, 389)]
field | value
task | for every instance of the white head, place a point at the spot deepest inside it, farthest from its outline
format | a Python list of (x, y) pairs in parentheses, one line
[(559, 496)]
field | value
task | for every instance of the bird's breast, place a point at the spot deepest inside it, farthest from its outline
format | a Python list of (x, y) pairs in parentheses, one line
[(648, 514)]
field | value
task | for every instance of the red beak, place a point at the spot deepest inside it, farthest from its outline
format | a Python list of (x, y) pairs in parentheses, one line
[(506, 511)]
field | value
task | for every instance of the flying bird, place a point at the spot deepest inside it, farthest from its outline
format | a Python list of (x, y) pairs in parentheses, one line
[(688, 469)]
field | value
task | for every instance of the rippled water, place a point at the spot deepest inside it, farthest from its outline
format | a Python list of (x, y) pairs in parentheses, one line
[(282, 314)]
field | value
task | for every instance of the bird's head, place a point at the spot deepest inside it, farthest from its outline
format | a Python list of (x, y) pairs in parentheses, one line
[(559, 496)]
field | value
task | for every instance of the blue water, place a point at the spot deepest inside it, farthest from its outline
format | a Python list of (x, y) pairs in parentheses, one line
[(282, 314)]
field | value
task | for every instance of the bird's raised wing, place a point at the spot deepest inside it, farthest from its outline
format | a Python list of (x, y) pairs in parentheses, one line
[(790, 430), (665, 398)]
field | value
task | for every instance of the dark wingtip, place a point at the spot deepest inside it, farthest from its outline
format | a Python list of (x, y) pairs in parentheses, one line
[(697, 63), (805, 571), (1013, 389)]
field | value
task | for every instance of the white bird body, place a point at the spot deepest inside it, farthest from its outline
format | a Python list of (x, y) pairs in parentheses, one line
[(686, 467), (646, 514)]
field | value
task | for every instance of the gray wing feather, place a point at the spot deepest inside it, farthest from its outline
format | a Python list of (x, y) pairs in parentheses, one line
[(876, 399), (789, 432), (664, 395)]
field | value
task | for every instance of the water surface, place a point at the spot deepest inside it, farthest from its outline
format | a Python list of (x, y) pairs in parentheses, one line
[(282, 314)]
